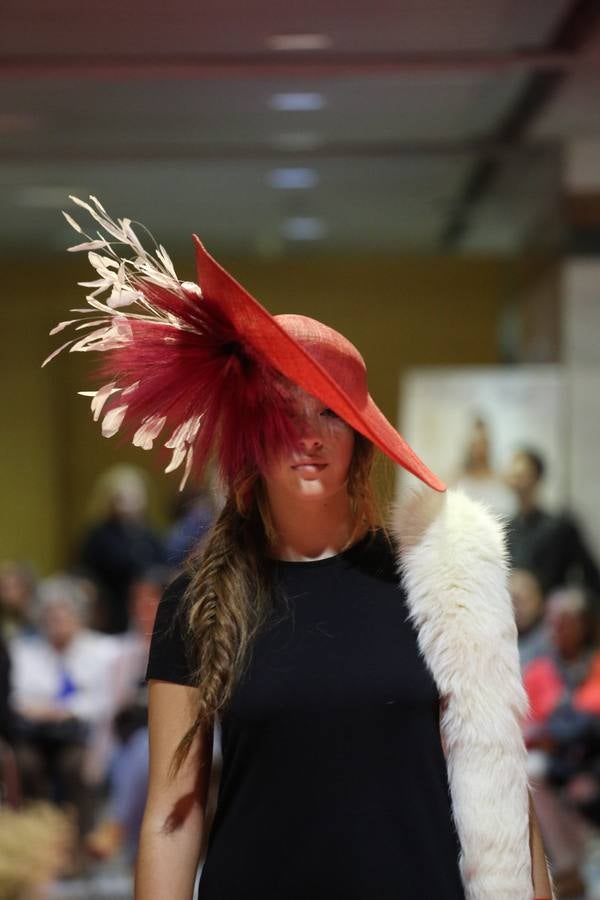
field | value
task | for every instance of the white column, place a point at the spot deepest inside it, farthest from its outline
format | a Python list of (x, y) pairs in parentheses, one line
[(581, 352)]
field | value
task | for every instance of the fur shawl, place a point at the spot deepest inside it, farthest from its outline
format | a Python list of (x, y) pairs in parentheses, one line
[(453, 564)]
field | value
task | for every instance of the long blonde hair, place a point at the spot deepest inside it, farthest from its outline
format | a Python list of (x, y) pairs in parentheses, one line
[(229, 593)]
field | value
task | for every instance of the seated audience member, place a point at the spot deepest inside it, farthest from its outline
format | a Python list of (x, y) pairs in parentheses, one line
[(551, 546), (36, 847), (59, 696), (562, 733), (528, 604), (121, 545), (129, 767), (134, 644), (6, 718), (129, 770), (9, 781), (120, 827), (17, 599), (568, 676)]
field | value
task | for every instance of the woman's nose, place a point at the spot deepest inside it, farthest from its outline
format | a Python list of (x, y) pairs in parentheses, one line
[(309, 444), (310, 436)]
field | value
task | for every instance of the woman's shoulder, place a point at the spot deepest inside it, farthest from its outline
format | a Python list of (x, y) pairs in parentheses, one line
[(169, 658), (171, 610)]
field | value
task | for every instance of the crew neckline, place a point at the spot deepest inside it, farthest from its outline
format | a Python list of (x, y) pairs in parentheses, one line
[(327, 560)]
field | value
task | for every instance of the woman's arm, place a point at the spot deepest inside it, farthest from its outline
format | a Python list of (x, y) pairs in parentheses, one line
[(540, 870), (171, 832)]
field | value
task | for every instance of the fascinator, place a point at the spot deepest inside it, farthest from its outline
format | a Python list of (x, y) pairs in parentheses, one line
[(206, 364)]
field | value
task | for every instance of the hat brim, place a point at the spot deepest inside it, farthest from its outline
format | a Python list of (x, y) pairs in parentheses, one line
[(266, 336)]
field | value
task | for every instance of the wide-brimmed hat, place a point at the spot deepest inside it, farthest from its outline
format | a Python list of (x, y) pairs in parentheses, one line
[(314, 356), (205, 360)]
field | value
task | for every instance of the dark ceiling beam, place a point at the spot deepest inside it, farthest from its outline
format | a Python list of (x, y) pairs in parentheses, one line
[(576, 29), (260, 65)]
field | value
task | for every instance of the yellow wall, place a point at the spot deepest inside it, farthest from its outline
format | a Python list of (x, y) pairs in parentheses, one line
[(400, 312)]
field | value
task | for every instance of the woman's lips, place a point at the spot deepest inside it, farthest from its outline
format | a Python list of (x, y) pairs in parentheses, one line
[(309, 468)]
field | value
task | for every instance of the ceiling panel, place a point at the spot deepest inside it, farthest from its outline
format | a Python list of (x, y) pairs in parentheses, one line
[(112, 116), (223, 26), (376, 206), (392, 149)]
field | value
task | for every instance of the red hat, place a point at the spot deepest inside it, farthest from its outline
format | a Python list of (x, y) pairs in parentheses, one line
[(206, 361), (314, 356)]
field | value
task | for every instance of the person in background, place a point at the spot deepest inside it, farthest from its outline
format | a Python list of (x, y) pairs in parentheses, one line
[(528, 604), (35, 849), (121, 545), (478, 479), (128, 779), (6, 719), (562, 733), (60, 695), (193, 514), (9, 779), (17, 598), (551, 546), (128, 770), (144, 596)]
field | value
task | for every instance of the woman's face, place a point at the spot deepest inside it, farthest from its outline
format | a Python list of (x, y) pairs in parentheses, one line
[(527, 598), (568, 632), (317, 468)]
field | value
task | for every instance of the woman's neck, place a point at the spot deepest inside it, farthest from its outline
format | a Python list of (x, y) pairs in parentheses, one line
[(308, 530)]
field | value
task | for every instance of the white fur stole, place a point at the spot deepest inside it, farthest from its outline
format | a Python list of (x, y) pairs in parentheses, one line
[(453, 564)]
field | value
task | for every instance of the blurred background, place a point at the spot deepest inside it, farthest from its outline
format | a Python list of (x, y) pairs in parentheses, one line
[(424, 177)]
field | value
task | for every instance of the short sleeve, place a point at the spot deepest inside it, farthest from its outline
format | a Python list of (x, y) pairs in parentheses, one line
[(168, 657)]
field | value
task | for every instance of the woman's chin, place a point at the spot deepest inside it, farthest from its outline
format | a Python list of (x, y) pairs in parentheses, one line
[(312, 487)]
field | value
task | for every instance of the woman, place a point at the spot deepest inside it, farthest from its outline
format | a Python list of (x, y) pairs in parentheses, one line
[(327, 650), (563, 733)]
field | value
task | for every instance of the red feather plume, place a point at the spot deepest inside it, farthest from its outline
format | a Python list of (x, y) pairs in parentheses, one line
[(201, 371), (172, 363)]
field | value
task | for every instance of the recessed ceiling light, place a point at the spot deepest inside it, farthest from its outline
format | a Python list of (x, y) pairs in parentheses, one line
[(297, 141), (297, 102), (292, 179), (298, 42), (303, 228)]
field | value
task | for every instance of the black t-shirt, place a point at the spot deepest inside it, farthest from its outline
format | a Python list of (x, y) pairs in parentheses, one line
[(334, 783)]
